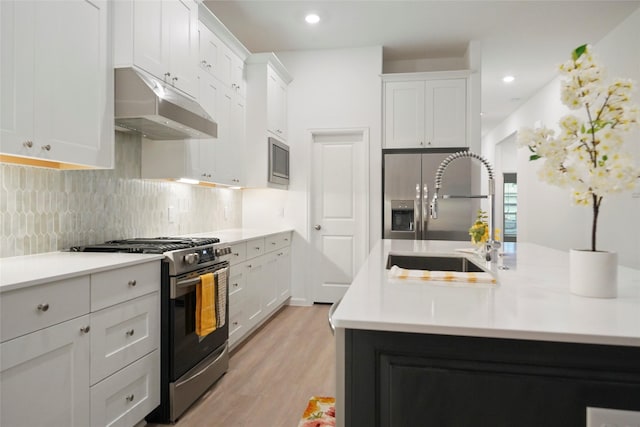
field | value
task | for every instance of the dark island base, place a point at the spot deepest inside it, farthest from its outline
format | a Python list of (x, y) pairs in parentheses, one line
[(411, 380)]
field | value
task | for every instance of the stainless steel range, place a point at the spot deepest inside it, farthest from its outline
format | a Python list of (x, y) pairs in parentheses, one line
[(190, 364)]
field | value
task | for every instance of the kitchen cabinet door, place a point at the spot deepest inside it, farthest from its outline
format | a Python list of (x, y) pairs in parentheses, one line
[(150, 51), (270, 285), (165, 40), (17, 29), (182, 22), (283, 274), (404, 114), (57, 81), (276, 104), (209, 47), (230, 148), (255, 281), (44, 377), (446, 109)]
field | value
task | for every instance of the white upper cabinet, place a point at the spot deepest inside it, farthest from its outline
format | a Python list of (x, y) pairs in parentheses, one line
[(160, 37), (210, 47), (267, 83), (276, 104), (56, 84), (425, 113)]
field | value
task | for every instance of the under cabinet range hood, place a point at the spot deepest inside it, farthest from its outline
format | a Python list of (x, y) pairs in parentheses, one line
[(156, 110)]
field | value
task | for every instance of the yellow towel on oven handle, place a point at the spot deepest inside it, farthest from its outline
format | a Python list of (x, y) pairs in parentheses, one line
[(205, 305)]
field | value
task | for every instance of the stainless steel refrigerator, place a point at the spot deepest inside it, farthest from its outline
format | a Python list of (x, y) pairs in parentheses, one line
[(408, 186)]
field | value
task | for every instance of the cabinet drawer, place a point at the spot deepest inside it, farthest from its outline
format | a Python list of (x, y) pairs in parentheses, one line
[(238, 253), (29, 309), (127, 396), (122, 334), (255, 247), (115, 286), (236, 282), (277, 241)]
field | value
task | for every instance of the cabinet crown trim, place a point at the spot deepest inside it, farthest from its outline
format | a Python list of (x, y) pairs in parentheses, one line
[(206, 17), (429, 75), (270, 58)]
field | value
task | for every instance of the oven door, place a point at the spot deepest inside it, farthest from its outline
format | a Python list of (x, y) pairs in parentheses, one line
[(186, 348)]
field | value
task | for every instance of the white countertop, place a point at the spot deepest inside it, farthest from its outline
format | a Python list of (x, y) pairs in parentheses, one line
[(531, 301), (22, 271), (234, 235)]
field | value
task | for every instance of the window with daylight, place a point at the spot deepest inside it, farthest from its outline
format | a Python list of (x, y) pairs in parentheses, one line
[(510, 207)]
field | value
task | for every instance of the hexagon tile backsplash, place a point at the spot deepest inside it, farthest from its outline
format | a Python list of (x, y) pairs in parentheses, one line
[(44, 210)]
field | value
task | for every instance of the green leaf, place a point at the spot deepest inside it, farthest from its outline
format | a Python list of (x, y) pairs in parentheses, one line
[(577, 53), (534, 157)]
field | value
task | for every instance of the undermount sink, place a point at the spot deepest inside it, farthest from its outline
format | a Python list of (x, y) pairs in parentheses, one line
[(433, 263)]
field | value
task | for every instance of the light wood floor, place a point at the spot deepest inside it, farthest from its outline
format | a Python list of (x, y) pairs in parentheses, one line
[(272, 376)]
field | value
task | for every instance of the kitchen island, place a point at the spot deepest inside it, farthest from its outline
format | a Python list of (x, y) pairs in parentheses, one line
[(523, 352)]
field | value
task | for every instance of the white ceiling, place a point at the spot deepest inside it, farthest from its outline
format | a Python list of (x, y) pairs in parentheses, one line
[(527, 39)]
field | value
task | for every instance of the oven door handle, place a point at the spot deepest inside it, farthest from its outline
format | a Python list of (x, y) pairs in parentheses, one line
[(188, 282)]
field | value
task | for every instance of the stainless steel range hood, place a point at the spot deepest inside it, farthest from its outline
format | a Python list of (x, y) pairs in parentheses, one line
[(154, 109)]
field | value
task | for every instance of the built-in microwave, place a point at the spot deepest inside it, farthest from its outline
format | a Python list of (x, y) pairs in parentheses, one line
[(278, 162)]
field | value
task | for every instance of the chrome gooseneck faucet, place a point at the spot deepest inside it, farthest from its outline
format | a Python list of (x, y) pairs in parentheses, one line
[(492, 244)]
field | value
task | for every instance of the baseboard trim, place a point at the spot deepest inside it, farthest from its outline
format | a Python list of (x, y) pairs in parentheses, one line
[(301, 302)]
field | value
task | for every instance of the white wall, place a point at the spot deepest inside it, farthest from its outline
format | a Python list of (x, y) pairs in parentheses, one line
[(331, 89), (545, 213)]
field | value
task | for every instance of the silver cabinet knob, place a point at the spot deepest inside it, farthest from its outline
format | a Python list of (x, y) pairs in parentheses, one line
[(167, 74), (85, 329), (130, 397), (46, 147), (235, 285), (130, 332), (317, 227), (28, 144), (43, 307), (175, 79), (273, 243), (132, 283)]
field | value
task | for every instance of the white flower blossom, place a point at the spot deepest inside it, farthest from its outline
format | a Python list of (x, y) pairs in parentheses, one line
[(587, 155)]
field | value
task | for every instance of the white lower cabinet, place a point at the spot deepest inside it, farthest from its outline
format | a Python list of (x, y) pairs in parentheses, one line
[(126, 397), (259, 284), (82, 351), (256, 277), (45, 377)]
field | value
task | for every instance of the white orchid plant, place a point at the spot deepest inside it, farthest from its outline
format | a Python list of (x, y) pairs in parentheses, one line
[(588, 155)]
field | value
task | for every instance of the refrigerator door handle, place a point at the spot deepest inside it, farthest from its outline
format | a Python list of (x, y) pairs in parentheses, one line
[(417, 215), (425, 211)]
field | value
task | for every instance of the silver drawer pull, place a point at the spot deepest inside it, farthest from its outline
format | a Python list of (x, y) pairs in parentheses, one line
[(132, 283), (236, 254), (43, 307), (130, 397), (235, 323), (85, 329), (249, 265), (130, 332), (273, 243), (235, 285), (257, 248)]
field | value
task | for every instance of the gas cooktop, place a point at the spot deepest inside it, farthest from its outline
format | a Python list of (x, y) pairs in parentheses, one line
[(153, 245)]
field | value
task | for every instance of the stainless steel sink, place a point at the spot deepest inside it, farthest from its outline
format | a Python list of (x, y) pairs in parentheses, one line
[(433, 263)]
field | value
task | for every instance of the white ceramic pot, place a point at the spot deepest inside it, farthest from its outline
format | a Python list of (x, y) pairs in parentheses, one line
[(593, 274)]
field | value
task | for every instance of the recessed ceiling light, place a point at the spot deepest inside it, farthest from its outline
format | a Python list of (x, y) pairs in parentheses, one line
[(312, 18), (508, 79)]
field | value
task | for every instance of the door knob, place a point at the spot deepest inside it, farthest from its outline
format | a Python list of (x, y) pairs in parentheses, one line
[(317, 227)]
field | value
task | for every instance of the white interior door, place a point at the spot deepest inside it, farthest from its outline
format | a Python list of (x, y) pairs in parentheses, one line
[(339, 210)]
